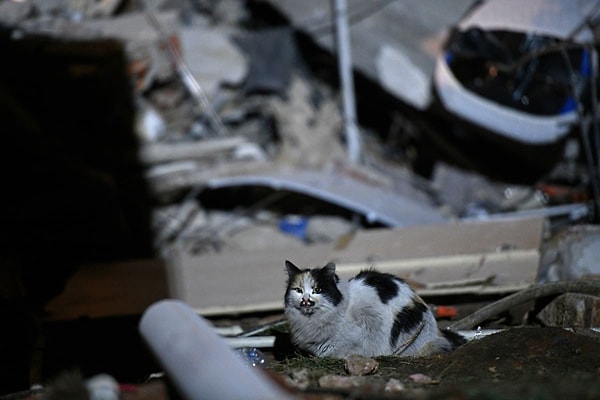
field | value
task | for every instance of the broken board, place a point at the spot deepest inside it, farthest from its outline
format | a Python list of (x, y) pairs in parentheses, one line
[(492, 257)]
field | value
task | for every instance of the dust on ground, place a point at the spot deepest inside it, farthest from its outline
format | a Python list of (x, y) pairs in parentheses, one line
[(519, 363)]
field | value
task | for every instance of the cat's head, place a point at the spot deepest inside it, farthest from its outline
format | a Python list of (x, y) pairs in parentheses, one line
[(312, 290)]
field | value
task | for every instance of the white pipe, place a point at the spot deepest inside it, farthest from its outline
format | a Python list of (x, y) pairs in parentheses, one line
[(253, 341), (347, 83), (199, 362)]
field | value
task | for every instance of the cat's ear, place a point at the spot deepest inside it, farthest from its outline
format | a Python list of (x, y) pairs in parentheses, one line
[(329, 269), (291, 268)]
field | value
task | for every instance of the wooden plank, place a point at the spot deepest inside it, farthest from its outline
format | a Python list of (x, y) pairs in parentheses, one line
[(152, 153), (506, 253), (111, 289)]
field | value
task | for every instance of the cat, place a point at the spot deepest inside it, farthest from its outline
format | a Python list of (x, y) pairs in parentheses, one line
[(373, 314)]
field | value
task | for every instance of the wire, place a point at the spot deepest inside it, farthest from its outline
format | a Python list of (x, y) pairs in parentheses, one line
[(589, 155)]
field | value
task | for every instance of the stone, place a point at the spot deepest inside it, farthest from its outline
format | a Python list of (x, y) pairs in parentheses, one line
[(394, 386), (359, 365), (572, 310), (341, 381)]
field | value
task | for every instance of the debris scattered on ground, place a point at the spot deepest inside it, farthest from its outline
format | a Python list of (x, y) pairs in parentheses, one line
[(238, 118)]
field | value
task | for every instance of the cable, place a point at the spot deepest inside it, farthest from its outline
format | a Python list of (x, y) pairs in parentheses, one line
[(591, 163)]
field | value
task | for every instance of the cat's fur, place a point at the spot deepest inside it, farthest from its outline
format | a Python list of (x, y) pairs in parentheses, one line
[(371, 315)]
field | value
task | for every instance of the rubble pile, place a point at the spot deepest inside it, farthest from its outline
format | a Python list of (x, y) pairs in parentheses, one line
[(217, 96), (236, 120)]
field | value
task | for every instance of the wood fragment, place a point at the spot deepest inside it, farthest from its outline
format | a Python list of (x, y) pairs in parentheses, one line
[(154, 153)]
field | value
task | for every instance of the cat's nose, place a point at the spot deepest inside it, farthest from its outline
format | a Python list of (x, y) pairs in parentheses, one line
[(307, 302)]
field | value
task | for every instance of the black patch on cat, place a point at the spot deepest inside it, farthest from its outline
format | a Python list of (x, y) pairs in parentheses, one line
[(385, 284), (454, 338), (292, 270), (407, 319), (327, 280)]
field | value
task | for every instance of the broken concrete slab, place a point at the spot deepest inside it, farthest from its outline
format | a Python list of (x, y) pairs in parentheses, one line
[(212, 58), (506, 252), (572, 253)]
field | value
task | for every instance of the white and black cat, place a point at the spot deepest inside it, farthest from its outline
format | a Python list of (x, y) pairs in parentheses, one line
[(373, 314)]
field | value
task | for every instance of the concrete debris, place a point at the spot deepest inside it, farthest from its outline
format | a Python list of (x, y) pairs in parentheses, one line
[(309, 133), (273, 114), (282, 126), (212, 57), (570, 254), (327, 229), (260, 237), (298, 378), (238, 158), (471, 195), (572, 310)]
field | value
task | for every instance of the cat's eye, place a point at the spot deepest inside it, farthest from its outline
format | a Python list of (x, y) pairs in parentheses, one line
[(317, 290), (298, 290)]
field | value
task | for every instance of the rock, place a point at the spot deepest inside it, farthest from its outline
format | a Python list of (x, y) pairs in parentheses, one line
[(394, 386), (359, 365), (572, 310), (423, 379), (298, 379), (341, 381)]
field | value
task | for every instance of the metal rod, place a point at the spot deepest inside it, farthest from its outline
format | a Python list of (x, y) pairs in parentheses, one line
[(353, 141)]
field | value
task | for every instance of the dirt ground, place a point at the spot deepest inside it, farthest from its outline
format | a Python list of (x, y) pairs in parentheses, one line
[(537, 363), (519, 363)]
